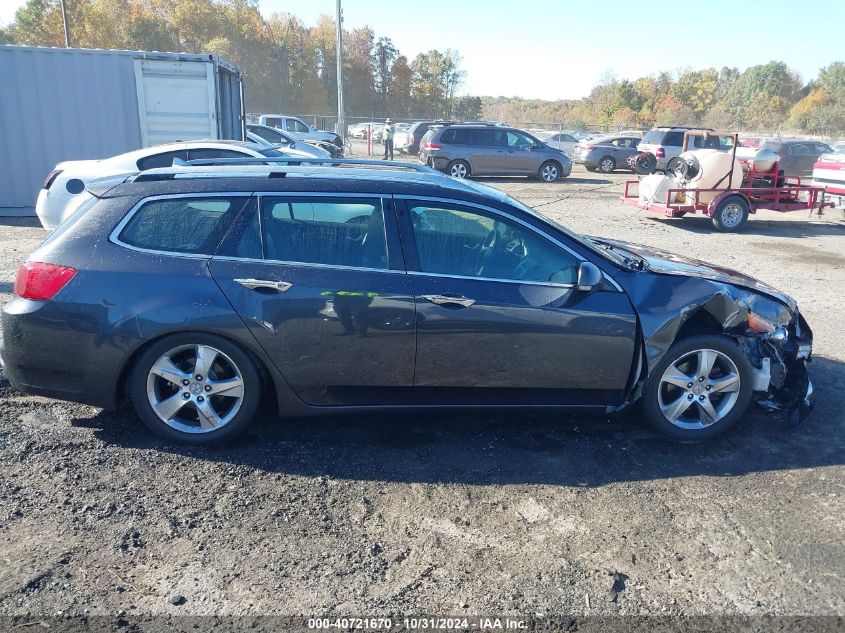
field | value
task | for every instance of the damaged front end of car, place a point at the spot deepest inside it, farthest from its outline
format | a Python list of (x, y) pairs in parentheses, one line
[(779, 344), (674, 301)]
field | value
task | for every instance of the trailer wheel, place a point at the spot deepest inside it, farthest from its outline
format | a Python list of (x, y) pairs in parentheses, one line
[(731, 214)]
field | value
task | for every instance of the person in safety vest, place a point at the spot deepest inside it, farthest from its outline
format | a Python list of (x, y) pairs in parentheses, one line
[(388, 138)]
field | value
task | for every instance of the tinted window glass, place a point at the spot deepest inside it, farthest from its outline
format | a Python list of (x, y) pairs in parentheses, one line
[(335, 232), (244, 237), (273, 122), (654, 136), (488, 137), (186, 225), (567, 139), (165, 159), (295, 125), (448, 136), (673, 139), (455, 137), (211, 152), (470, 243)]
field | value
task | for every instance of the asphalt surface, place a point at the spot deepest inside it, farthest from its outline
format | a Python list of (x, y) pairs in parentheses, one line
[(470, 513)]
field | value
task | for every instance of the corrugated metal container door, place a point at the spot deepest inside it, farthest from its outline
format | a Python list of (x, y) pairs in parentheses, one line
[(229, 104), (60, 104), (176, 100)]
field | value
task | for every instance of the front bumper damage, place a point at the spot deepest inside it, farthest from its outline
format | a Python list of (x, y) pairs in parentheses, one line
[(781, 380)]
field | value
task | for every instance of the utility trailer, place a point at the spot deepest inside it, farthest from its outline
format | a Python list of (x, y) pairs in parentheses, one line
[(59, 104), (762, 187)]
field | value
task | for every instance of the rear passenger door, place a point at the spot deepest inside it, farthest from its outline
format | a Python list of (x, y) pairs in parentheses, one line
[(320, 282)]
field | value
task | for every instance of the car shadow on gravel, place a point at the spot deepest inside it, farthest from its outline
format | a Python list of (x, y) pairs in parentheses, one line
[(484, 448), (806, 227)]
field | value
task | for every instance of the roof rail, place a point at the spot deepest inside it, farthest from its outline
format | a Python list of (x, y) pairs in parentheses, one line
[(294, 161)]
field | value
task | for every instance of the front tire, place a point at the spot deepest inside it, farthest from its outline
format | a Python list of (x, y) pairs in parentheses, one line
[(549, 171), (700, 388), (458, 169), (195, 388)]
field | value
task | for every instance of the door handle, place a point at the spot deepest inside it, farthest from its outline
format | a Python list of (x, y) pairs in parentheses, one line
[(253, 284), (449, 300)]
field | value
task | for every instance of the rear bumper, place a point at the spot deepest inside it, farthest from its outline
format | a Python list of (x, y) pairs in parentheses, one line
[(44, 354)]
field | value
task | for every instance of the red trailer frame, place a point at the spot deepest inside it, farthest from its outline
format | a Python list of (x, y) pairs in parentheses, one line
[(783, 194)]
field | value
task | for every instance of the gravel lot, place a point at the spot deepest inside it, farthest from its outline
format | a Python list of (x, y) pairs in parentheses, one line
[(447, 514)]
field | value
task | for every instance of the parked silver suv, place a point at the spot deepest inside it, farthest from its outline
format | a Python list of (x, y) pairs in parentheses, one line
[(661, 144), (491, 150)]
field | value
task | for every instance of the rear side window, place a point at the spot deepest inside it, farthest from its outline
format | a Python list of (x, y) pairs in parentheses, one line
[(206, 153), (165, 159), (674, 139), (488, 137), (181, 225), (654, 137), (455, 137), (329, 231)]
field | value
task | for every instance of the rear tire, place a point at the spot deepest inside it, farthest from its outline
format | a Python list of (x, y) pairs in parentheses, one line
[(458, 169), (195, 388), (607, 165), (668, 392), (731, 214)]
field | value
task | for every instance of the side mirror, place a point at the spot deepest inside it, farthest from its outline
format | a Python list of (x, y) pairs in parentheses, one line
[(589, 276)]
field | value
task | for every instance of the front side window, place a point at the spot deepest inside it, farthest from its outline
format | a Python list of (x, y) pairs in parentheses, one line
[(517, 140), (295, 125), (330, 231), (474, 243), (182, 225)]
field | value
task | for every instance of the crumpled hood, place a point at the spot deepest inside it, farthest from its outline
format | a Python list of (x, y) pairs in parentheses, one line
[(662, 262)]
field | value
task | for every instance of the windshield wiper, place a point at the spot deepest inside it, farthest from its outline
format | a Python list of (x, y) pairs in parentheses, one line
[(629, 259)]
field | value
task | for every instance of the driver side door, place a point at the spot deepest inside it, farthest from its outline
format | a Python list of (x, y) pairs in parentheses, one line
[(522, 158), (499, 318)]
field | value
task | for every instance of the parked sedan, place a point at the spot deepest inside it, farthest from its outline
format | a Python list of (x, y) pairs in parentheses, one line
[(606, 153), (64, 191), (798, 157), (348, 289), (284, 141), (563, 141)]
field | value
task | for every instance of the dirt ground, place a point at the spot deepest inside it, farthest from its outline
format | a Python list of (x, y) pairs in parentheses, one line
[(447, 514)]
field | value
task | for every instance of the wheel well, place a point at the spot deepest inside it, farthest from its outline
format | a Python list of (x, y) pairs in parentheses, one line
[(123, 379), (701, 322)]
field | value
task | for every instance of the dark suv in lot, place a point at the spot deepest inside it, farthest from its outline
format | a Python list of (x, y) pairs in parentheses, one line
[(201, 292), (491, 150)]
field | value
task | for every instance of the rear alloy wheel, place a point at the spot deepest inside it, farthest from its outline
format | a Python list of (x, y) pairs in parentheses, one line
[(195, 388), (549, 172), (700, 388), (458, 169), (731, 214), (607, 165)]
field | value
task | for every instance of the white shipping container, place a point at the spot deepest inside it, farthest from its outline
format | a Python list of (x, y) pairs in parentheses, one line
[(60, 104)]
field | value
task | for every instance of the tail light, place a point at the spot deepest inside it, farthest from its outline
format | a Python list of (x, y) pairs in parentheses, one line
[(430, 145), (48, 181), (40, 282), (590, 148), (660, 153)]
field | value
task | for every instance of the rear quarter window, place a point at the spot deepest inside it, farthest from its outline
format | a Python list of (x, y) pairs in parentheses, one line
[(181, 225), (654, 137)]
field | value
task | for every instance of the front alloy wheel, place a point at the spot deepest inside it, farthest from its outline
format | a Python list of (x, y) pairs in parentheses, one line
[(699, 389), (195, 388), (549, 172)]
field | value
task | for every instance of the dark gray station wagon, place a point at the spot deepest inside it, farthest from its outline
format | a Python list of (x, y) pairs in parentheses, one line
[(200, 292)]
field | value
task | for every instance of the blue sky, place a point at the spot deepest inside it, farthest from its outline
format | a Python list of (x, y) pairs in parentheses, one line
[(557, 49)]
